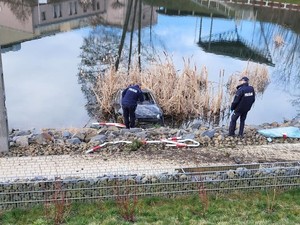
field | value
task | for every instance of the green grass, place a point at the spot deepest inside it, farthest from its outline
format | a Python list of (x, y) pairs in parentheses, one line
[(189, 5), (239, 208), (289, 1)]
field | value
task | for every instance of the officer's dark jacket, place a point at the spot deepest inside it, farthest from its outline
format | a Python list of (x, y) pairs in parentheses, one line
[(131, 95), (243, 99)]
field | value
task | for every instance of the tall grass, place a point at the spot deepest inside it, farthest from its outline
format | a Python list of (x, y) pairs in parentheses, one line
[(184, 94)]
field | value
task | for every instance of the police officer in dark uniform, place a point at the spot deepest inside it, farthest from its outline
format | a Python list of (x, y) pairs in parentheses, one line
[(242, 102), (130, 96)]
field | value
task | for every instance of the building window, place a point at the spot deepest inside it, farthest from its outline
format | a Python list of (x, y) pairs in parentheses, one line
[(60, 12), (71, 8), (55, 10), (43, 16), (94, 5), (75, 7), (98, 5)]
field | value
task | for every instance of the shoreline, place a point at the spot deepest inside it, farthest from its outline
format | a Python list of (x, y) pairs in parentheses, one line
[(215, 146)]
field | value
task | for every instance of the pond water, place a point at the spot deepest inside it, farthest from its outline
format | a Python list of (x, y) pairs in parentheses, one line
[(41, 55)]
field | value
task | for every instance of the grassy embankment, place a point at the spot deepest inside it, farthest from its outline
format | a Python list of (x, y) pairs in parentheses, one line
[(248, 208)]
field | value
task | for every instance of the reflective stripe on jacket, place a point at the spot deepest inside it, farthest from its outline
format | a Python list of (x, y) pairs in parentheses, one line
[(131, 95)]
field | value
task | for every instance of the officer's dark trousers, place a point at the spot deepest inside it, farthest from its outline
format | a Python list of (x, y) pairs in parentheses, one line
[(129, 116), (234, 118)]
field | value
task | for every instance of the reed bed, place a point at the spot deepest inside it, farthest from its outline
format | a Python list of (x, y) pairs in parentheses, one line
[(182, 95), (258, 78)]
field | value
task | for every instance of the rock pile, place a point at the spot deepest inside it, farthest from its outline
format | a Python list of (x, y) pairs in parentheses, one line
[(78, 141)]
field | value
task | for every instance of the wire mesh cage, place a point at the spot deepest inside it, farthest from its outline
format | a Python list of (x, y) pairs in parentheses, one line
[(171, 182)]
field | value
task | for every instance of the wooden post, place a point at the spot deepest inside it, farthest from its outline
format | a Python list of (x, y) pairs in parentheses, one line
[(3, 114)]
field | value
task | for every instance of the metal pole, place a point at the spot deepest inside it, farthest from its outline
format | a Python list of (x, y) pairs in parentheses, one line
[(210, 32), (200, 30), (3, 115)]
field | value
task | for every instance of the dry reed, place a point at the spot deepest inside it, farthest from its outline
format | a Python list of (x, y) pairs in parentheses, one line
[(126, 201), (258, 78), (57, 208), (278, 40), (182, 94), (203, 197)]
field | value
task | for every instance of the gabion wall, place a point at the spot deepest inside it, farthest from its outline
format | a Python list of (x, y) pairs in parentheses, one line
[(30, 192)]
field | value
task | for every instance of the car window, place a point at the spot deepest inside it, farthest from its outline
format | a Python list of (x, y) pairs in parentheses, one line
[(148, 99), (147, 96)]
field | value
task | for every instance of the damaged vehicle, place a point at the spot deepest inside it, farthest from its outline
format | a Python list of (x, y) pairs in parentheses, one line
[(147, 111)]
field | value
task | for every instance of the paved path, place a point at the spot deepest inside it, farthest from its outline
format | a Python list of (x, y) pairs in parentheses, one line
[(82, 166), (12, 168)]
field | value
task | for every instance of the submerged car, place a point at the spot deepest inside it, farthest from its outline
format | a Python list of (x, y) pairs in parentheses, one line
[(147, 111)]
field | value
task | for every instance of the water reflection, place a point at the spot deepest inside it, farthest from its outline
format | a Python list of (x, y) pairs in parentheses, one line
[(286, 55), (20, 8), (267, 24), (106, 46), (98, 52), (115, 35)]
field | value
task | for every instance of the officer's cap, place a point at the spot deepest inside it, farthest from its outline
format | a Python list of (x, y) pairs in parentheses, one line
[(244, 79)]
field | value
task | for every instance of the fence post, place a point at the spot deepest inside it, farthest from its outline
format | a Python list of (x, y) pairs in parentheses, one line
[(3, 114)]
